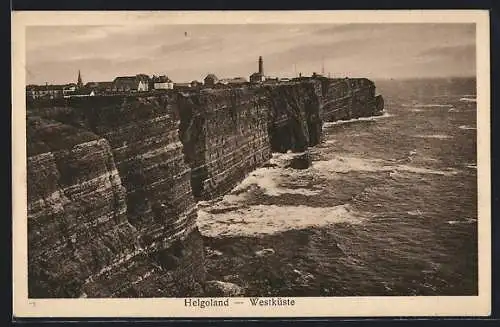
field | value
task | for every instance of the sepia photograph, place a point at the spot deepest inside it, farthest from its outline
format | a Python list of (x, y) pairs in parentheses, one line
[(249, 163)]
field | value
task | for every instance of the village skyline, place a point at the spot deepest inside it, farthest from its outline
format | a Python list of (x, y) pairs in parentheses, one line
[(187, 53)]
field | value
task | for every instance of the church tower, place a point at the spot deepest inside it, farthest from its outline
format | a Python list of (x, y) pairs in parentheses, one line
[(79, 84), (261, 66)]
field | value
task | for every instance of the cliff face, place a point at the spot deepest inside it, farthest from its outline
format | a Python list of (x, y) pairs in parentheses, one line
[(345, 99), (155, 248), (76, 208), (225, 137), (112, 181), (294, 121)]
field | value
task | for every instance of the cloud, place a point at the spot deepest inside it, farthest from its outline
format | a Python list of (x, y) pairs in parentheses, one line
[(463, 51), (187, 52)]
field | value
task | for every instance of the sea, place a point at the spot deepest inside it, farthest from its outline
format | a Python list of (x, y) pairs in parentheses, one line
[(388, 206)]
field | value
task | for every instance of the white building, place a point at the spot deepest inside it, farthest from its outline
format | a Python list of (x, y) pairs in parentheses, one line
[(162, 83)]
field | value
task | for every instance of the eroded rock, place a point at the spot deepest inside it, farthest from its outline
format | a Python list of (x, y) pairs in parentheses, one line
[(220, 289)]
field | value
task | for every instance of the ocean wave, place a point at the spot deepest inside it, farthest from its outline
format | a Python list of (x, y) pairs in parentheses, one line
[(466, 127), (428, 105), (465, 221), (466, 99), (282, 159), (348, 164), (343, 165), (371, 118), (434, 136), (268, 180), (415, 213), (421, 170), (271, 219)]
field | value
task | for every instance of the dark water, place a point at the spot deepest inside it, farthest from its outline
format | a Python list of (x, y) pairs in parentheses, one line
[(389, 206)]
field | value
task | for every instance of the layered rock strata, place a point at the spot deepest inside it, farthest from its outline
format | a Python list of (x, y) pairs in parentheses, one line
[(295, 120), (154, 249), (113, 180), (225, 137), (348, 98)]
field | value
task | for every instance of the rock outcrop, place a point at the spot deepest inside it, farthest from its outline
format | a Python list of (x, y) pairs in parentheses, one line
[(128, 164), (294, 116), (348, 98), (113, 180), (225, 137)]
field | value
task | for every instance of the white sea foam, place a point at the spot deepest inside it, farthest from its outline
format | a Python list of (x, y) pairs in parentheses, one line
[(434, 136), (328, 168), (371, 118), (467, 99), (415, 213), (465, 221), (429, 105), (348, 164), (271, 219), (420, 170), (268, 180), (282, 159), (466, 127)]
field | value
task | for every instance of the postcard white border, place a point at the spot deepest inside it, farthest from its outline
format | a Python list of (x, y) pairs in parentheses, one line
[(305, 307)]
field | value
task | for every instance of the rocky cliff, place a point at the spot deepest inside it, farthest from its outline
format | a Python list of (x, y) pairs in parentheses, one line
[(111, 211), (225, 137), (113, 180)]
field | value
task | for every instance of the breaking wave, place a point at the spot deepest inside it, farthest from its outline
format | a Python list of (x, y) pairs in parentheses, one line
[(271, 219), (349, 164), (372, 118), (465, 221), (429, 105), (434, 136), (268, 180), (466, 127), (466, 99)]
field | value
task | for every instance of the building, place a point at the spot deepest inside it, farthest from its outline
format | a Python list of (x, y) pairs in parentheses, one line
[(49, 91), (45, 91), (100, 87), (125, 84), (143, 82), (195, 84), (182, 86), (210, 80), (138, 83), (81, 92), (271, 81), (79, 83), (237, 81), (258, 77), (162, 83), (69, 88), (53, 91)]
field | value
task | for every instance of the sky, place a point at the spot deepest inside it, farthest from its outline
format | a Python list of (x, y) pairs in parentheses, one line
[(54, 54)]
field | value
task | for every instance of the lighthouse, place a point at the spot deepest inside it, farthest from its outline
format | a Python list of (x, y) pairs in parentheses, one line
[(258, 77)]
